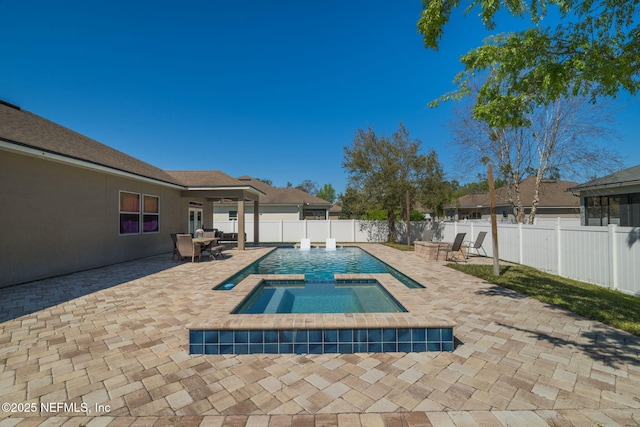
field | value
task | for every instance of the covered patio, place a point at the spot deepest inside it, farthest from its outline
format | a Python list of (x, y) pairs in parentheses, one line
[(215, 186)]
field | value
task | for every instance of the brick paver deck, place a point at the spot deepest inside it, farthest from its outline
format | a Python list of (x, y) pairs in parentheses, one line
[(109, 347)]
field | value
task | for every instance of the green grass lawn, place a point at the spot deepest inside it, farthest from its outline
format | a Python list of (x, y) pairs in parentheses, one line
[(614, 308), (399, 246)]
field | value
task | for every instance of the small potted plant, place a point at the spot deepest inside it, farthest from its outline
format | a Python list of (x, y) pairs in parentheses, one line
[(199, 232)]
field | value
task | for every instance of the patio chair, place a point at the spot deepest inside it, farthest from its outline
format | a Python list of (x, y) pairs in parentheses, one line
[(216, 251), (331, 244), (305, 244), (427, 235), (477, 244), (456, 246), (186, 248), (175, 246)]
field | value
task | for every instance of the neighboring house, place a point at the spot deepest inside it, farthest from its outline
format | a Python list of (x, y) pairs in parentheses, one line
[(335, 212), (276, 204), (555, 202), (613, 199), (70, 203)]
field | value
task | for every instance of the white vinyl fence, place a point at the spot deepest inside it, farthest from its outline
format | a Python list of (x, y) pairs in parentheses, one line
[(291, 231), (605, 256)]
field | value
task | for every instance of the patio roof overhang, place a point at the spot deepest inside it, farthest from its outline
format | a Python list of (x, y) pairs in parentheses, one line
[(214, 193), (240, 194)]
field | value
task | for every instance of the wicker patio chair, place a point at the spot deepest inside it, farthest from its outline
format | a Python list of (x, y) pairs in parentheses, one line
[(187, 249)]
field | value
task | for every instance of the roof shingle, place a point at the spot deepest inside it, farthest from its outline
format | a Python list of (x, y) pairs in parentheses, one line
[(29, 130)]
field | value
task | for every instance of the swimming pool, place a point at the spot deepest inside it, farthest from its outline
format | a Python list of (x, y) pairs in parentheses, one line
[(318, 264), (365, 296), (265, 329)]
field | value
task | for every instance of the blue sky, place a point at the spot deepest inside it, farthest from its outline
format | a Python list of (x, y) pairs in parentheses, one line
[(274, 89)]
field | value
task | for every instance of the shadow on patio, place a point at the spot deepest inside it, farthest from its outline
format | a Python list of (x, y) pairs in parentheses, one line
[(27, 298)]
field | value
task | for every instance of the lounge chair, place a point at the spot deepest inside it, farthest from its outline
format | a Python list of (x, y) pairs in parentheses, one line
[(477, 244), (331, 244), (305, 244), (186, 248), (456, 246)]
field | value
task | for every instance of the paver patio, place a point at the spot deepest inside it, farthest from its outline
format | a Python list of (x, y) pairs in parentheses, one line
[(113, 342)]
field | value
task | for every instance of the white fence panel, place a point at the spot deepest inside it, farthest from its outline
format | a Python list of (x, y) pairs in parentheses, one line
[(371, 231), (586, 254), (270, 231), (627, 253), (344, 230), (293, 230), (317, 231), (540, 247), (509, 243)]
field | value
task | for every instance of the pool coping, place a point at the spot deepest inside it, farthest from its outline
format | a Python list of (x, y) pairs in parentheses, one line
[(220, 316)]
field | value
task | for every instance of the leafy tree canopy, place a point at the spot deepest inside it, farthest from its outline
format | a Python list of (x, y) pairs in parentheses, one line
[(327, 192), (594, 52), (308, 186), (383, 171)]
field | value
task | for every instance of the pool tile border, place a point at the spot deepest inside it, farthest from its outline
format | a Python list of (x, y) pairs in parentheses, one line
[(220, 320), (320, 341)]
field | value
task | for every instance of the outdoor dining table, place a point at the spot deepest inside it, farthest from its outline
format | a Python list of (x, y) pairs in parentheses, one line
[(206, 242)]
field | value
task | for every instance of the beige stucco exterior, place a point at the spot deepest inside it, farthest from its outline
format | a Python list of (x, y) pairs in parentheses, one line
[(221, 212), (57, 218)]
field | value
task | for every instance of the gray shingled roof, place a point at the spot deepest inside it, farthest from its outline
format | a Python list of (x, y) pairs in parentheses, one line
[(205, 179), (29, 130), (630, 176), (552, 194), (283, 196)]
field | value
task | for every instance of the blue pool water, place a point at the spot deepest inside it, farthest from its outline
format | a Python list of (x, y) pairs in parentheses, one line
[(319, 297), (319, 264)]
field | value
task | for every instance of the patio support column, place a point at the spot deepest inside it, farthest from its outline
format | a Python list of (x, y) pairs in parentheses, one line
[(256, 222), (241, 224)]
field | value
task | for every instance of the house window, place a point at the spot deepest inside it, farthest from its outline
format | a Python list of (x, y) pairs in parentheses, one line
[(151, 214), (623, 210), (129, 213), (314, 214), (136, 209), (233, 215)]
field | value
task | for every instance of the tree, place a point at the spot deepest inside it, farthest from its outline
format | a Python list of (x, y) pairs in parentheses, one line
[(477, 187), (327, 192), (308, 186), (383, 170), (353, 205), (560, 137), (593, 52)]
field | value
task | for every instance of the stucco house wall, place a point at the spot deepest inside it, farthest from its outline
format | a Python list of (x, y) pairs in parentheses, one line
[(56, 219), (221, 212)]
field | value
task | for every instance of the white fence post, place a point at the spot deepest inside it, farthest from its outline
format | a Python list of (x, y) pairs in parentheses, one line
[(520, 245), (559, 247), (613, 255), (353, 230)]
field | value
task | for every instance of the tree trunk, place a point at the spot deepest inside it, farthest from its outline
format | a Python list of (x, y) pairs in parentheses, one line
[(391, 221), (536, 199)]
